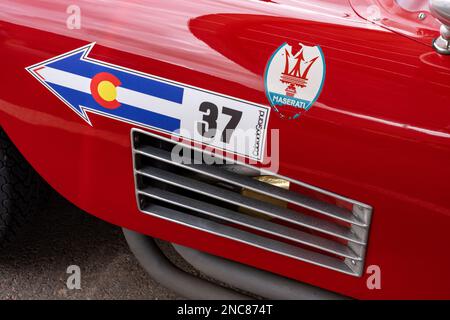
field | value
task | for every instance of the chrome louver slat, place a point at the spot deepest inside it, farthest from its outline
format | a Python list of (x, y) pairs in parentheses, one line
[(232, 204), (237, 199), (251, 222), (257, 186), (245, 237)]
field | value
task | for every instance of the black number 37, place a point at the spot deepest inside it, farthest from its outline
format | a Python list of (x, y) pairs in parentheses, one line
[(208, 127)]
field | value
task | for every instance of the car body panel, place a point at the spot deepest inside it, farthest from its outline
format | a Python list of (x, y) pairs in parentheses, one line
[(411, 18), (379, 133)]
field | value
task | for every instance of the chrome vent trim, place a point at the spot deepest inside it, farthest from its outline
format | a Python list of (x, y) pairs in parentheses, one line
[(209, 198)]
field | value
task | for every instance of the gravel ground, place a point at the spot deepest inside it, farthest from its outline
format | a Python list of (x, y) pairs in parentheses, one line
[(62, 235)]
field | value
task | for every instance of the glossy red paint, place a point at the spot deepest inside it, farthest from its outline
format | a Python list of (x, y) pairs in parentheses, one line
[(379, 133)]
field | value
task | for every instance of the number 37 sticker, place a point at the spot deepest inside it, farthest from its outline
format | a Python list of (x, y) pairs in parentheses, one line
[(87, 85), (226, 123)]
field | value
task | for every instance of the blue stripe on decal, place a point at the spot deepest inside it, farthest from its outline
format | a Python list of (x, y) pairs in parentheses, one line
[(135, 82), (126, 112)]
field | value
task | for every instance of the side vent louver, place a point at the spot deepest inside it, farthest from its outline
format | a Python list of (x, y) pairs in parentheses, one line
[(243, 203)]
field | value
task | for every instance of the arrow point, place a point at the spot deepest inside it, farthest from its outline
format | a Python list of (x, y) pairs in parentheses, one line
[(74, 55)]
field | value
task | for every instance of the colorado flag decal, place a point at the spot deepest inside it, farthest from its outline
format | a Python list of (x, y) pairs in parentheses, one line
[(88, 85)]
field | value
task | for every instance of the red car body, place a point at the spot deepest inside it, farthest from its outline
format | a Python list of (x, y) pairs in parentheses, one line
[(379, 132)]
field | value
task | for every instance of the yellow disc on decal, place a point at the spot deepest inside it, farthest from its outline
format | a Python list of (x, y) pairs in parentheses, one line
[(107, 91)]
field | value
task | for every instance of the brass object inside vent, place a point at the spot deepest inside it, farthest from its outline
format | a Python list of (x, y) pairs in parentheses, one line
[(275, 181)]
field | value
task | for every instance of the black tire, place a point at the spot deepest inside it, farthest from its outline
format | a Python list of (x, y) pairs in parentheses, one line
[(21, 189)]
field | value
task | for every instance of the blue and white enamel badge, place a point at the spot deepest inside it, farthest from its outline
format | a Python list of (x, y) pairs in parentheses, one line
[(294, 79)]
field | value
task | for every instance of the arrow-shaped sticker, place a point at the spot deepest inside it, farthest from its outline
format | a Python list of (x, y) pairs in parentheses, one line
[(88, 85)]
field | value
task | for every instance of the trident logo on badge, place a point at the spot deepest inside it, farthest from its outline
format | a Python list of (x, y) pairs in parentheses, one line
[(295, 77), (294, 80)]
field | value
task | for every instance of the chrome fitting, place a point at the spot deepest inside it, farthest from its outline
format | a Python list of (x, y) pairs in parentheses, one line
[(440, 9)]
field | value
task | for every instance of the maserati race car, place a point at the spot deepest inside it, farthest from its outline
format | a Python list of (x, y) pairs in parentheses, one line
[(288, 149)]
